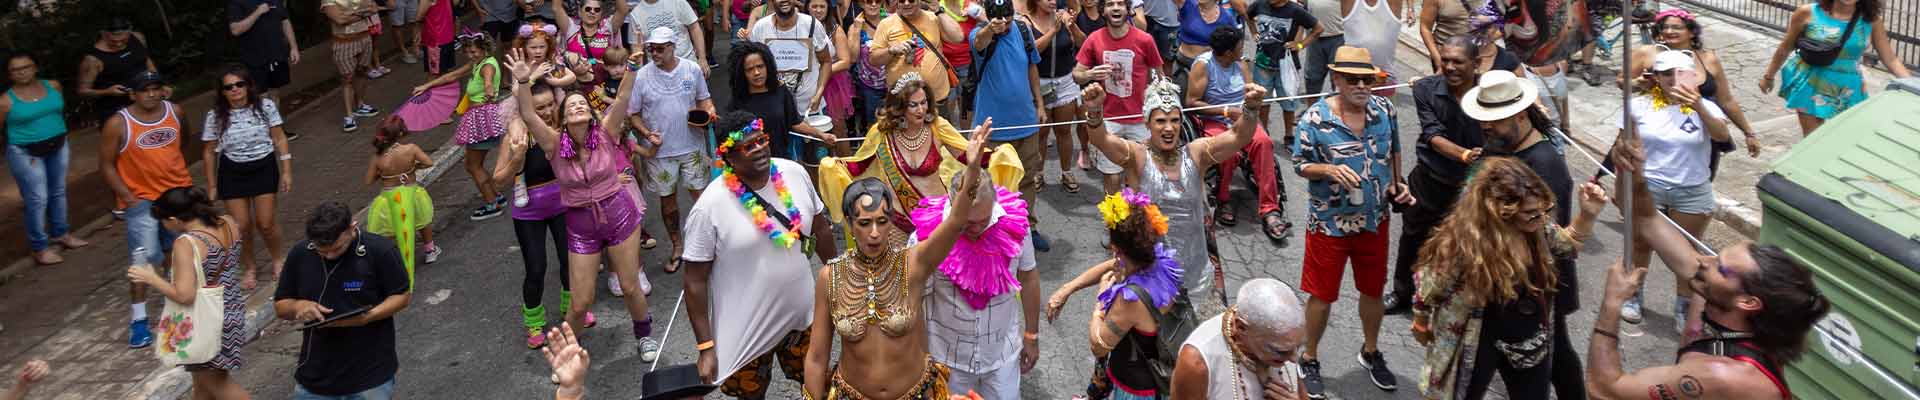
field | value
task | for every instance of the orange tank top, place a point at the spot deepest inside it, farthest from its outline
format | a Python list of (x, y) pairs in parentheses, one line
[(150, 161)]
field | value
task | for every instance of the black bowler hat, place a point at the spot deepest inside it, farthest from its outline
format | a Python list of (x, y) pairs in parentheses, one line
[(674, 383)]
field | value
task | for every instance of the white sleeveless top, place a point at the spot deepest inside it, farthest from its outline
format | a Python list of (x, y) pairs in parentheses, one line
[(1375, 28), (1212, 344)]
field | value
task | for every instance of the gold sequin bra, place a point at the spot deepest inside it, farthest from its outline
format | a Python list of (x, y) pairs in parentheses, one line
[(866, 293)]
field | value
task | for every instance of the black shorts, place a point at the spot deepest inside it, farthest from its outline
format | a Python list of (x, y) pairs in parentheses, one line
[(239, 180), (270, 76)]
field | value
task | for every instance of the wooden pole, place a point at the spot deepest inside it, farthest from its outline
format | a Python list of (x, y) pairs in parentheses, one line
[(1625, 182)]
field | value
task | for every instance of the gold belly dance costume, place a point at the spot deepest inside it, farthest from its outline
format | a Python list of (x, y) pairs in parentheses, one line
[(865, 292)]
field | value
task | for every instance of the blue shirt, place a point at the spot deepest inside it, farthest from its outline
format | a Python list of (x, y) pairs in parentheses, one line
[(1005, 92), (1323, 138)]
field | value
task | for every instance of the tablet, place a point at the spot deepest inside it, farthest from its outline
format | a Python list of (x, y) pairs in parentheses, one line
[(336, 317)]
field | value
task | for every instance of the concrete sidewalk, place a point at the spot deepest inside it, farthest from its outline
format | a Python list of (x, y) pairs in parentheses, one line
[(75, 314)]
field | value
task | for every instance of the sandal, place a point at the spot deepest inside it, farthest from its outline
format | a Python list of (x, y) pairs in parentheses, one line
[(1276, 226), (1067, 181), (646, 241), (1224, 215), (673, 266)]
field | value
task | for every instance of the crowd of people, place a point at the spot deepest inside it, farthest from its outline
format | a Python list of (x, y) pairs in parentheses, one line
[(925, 229)]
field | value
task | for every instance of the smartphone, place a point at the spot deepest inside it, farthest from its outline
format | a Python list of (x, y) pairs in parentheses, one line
[(1688, 78)]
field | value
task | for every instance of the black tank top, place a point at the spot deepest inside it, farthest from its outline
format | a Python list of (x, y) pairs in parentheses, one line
[(1739, 346), (1708, 88), (1131, 361), (1058, 59), (118, 67), (1088, 24), (537, 170)]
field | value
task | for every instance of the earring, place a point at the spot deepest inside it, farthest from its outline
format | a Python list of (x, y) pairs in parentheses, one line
[(311, 247)]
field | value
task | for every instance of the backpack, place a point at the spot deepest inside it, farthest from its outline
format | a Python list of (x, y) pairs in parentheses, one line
[(1175, 325)]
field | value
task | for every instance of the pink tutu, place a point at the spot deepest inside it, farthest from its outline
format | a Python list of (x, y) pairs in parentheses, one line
[(481, 123), (839, 96)]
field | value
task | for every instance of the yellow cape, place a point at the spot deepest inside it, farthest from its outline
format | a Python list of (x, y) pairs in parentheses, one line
[(1003, 165)]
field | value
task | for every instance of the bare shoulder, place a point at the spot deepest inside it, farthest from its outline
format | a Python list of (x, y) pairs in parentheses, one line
[(1713, 377)]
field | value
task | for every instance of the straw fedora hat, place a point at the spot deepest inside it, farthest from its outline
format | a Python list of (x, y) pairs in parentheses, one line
[(1499, 95), (1353, 60)]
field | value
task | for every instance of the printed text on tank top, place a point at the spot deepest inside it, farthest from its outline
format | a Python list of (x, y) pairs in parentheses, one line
[(154, 134)]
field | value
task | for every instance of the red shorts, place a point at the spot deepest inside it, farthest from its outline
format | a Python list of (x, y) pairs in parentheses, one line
[(1326, 262)]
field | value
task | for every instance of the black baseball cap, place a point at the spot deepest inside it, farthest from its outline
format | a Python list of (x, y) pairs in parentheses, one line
[(144, 79), (999, 8)]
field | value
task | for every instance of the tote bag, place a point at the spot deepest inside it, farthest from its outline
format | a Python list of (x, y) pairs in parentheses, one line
[(190, 334)]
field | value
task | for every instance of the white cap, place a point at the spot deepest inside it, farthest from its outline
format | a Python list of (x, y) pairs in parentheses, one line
[(660, 35), (1673, 60)]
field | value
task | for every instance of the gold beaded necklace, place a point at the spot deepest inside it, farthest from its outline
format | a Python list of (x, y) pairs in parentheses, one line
[(1226, 328)]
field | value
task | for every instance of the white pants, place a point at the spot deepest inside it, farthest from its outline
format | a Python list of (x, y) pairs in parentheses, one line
[(1003, 383)]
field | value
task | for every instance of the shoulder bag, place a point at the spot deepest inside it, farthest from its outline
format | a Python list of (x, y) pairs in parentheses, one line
[(953, 81), (190, 334), (1821, 54)]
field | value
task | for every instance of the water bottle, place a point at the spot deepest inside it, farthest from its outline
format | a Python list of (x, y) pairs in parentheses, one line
[(141, 256), (519, 191)]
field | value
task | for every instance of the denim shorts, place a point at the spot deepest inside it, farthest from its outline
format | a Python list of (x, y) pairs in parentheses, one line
[(144, 234), (382, 392), (1696, 199)]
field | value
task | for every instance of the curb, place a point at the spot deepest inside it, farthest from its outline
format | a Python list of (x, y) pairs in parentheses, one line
[(1740, 217), (170, 383)]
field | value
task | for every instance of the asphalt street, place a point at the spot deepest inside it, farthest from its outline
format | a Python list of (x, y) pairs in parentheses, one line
[(461, 338)]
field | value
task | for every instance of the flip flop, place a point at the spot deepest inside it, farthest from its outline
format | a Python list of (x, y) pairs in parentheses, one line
[(1067, 181), (1224, 215), (673, 266), (1284, 228)]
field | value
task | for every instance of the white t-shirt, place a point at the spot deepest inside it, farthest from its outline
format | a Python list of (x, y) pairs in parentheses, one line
[(1677, 144), (799, 68), (663, 99), (976, 341), (759, 291), (249, 136), (676, 14)]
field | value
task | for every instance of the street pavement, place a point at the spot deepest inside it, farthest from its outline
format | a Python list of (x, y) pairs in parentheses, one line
[(461, 337)]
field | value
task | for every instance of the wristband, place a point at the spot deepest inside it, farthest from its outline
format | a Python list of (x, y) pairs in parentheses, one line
[(704, 346), (1034, 336), (286, 157)]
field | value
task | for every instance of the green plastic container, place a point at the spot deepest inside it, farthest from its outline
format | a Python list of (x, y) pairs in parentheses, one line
[(1846, 202)]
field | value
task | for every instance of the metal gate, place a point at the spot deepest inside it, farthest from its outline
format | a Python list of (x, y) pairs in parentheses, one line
[(1900, 17)]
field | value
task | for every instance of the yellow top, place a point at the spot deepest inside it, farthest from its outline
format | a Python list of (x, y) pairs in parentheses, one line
[(1003, 166)]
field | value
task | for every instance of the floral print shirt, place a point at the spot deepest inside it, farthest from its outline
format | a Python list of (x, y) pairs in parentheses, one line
[(1322, 138)]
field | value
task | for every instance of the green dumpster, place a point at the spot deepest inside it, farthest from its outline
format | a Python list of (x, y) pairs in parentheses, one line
[(1846, 202)]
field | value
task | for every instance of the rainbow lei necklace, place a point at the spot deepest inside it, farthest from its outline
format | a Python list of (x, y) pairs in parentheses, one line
[(782, 238)]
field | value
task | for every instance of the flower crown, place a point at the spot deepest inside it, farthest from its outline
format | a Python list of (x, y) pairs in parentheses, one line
[(1674, 12), (1118, 206), (901, 85), (528, 29), (727, 141)]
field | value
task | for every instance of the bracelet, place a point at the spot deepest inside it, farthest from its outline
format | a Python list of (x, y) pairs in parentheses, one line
[(286, 157), (704, 346), (1602, 332), (1034, 336)]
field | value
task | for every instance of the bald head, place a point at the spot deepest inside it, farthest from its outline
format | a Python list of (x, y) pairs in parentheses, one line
[(1269, 306)]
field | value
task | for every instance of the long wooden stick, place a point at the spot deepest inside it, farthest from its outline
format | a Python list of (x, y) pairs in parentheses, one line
[(1626, 182)]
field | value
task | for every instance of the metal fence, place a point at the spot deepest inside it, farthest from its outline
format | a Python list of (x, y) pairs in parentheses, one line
[(1901, 18)]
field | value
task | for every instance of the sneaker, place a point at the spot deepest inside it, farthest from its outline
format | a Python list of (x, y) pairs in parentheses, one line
[(486, 212), (1310, 380), (613, 285), (139, 336), (433, 253), (1397, 304), (1630, 311), (646, 286), (409, 58), (365, 110), (1376, 365), (374, 73), (649, 349), (500, 200), (535, 338), (348, 125), (1040, 242), (589, 320)]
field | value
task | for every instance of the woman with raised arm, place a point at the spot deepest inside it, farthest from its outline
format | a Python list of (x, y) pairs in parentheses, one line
[(604, 211), (880, 285), (913, 151)]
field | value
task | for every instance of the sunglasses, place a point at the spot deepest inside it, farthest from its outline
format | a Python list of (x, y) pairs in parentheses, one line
[(595, 10), (752, 142), (1360, 79), (659, 49), (235, 85)]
